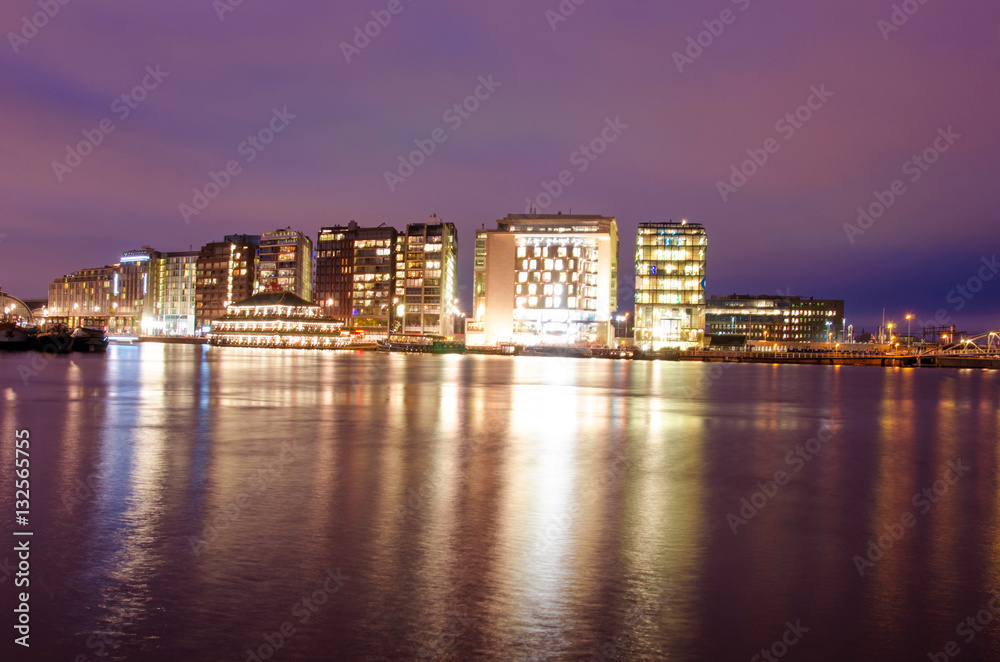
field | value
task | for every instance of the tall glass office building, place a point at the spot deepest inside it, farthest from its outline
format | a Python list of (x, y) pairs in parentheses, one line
[(670, 285)]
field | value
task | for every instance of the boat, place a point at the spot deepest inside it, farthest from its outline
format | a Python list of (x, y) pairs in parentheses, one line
[(559, 350), (89, 339), (14, 337), (58, 340), (418, 343), (279, 320)]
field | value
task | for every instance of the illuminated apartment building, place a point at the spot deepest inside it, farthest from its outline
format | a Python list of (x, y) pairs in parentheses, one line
[(335, 271), (356, 276), (82, 298), (175, 297), (474, 326), (776, 318), (134, 288), (547, 279), (670, 285), (427, 277), (225, 274), (284, 263), (374, 271)]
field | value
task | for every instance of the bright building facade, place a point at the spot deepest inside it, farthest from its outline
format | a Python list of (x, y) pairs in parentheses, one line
[(427, 278), (777, 318), (135, 286), (225, 273), (546, 280), (284, 263), (175, 301), (82, 298), (670, 285)]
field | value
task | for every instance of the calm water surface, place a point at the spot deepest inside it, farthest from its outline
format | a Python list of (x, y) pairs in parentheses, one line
[(190, 503)]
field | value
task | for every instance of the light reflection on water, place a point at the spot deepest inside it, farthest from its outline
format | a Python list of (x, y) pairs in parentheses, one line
[(186, 499)]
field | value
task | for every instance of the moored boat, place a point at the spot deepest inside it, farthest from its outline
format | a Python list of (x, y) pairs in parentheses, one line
[(14, 337), (58, 340), (89, 339), (571, 351), (420, 344)]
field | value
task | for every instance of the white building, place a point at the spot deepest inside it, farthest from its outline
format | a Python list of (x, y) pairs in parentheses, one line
[(548, 279)]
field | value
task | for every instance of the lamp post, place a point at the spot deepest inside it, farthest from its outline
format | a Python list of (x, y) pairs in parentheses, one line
[(909, 338)]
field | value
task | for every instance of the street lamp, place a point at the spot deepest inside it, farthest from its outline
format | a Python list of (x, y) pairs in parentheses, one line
[(909, 338)]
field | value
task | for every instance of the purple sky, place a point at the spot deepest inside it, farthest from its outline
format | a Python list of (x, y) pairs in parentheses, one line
[(782, 230)]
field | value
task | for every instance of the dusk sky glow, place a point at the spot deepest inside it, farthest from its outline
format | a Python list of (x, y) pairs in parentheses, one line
[(892, 95)]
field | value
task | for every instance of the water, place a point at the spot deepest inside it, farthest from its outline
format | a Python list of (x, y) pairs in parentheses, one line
[(186, 502)]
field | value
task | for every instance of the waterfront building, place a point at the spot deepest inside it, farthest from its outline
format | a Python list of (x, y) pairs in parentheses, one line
[(225, 273), (356, 276), (776, 318), (277, 320), (427, 277), (284, 262), (670, 285), (474, 326), (548, 279), (134, 288), (82, 298), (335, 270), (175, 299)]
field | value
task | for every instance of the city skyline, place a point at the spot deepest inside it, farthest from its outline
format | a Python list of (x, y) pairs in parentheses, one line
[(312, 126), (626, 291)]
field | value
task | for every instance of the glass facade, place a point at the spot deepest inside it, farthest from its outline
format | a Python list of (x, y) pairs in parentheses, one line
[(670, 285), (556, 289), (427, 277), (225, 274), (374, 255), (284, 263), (777, 318), (83, 298), (175, 301), (545, 280)]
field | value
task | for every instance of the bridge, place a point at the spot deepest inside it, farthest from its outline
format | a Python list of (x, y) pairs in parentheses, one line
[(14, 310)]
